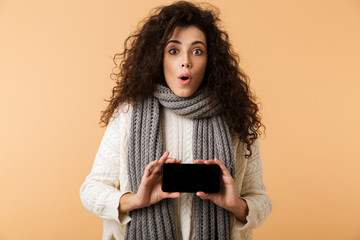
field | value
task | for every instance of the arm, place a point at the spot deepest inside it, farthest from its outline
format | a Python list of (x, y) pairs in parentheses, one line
[(227, 198), (253, 190), (149, 191), (100, 192), (254, 205)]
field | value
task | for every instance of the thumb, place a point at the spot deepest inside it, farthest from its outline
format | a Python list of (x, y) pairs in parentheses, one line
[(203, 195), (173, 195)]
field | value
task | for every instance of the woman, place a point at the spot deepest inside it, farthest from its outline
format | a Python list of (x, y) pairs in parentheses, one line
[(179, 88)]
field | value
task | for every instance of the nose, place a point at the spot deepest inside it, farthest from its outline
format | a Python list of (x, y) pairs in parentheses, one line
[(186, 63)]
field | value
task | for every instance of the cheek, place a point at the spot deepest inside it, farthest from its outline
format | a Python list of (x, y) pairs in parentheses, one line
[(168, 65), (203, 65)]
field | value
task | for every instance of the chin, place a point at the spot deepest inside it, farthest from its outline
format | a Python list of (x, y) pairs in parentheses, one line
[(183, 93)]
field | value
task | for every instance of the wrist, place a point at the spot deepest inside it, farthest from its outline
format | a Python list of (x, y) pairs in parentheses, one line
[(234, 205), (128, 203), (239, 209)]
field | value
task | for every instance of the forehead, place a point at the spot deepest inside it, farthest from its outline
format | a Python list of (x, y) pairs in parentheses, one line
[(190, 33)]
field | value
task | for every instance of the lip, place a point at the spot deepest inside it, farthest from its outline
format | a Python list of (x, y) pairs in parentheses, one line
[(182, 81)]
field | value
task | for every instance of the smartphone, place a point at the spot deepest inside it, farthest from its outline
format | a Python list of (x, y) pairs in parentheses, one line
[(177, 177)]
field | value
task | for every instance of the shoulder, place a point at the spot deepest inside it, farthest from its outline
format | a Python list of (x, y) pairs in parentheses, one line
[(122, 112), (121, 118), (240, 149)]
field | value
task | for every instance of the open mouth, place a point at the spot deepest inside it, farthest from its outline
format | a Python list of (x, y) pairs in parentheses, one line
[(184, 78)]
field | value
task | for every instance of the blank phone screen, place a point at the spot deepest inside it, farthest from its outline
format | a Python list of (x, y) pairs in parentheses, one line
[(190, 178)]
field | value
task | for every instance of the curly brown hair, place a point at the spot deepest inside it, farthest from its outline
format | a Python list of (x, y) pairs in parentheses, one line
[(140, 67)]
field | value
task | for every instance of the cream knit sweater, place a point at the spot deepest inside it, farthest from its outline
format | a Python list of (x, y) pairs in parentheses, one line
[(108, 180)]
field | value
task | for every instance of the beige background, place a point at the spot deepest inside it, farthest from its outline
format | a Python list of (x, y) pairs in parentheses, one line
[(303, 60)]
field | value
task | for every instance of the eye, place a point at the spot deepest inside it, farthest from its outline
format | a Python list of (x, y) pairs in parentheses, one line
[(197, 52), (173, 51)]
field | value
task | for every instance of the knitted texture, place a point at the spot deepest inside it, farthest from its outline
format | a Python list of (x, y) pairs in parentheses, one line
[(211, 139)]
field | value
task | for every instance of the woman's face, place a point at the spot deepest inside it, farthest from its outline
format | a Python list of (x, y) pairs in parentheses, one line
[(185, 60)]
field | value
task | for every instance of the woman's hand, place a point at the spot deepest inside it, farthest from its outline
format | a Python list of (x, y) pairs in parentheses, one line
[(149, 191), (227, 197)]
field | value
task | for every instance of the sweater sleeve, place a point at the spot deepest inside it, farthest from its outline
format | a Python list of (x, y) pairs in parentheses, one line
[(253, 191), (100, 192)]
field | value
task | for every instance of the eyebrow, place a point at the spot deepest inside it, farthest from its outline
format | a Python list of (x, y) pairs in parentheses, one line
[(193, 43)]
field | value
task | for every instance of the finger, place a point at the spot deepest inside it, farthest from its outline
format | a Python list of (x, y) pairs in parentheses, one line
[(178, 161), (161, 161), (199, 161), (164, 157), (208, 162), (171, 160), (203, 195), (224, 170), (150, 167), (172, 195)]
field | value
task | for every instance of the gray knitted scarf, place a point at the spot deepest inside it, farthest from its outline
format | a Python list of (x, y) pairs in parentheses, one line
[(211, 138)]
